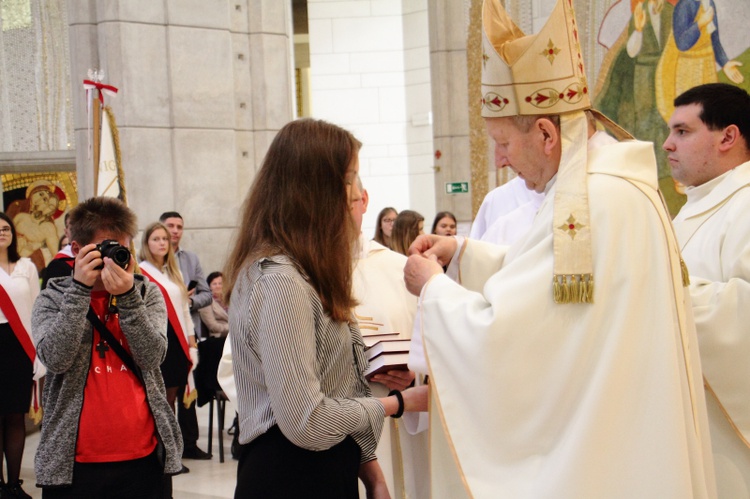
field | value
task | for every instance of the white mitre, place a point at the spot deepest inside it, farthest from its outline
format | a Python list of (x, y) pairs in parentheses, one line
[(532, 75), (539, 75)]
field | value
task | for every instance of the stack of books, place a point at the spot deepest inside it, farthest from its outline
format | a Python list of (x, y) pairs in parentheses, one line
[(386, 353)]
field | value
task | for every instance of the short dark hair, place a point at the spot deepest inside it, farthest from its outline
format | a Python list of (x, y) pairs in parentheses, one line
[(212, 276), (722, 105), (13, 255), (101, 213), (169, 214)]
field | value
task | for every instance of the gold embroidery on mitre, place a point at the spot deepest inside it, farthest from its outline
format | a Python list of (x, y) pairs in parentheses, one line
[(511, 65), (494, 101), (550, 52)]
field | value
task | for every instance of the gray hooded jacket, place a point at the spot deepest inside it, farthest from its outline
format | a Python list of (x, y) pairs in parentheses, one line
[(63, 338)]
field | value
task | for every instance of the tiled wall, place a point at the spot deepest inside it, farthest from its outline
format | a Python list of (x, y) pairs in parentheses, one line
[(370, 73)]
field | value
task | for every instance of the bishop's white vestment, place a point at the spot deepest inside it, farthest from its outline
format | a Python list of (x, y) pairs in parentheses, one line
[(386, 306), (506, 213), (713, 229), (533, 399)]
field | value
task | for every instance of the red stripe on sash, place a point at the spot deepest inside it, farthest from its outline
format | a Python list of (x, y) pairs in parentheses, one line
[(172, 317), (6, 305)]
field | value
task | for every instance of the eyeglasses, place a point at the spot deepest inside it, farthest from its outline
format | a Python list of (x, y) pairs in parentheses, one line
[(4, 230), (389, 220)]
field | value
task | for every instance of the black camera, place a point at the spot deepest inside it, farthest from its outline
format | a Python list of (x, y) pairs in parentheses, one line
[(114, 250)]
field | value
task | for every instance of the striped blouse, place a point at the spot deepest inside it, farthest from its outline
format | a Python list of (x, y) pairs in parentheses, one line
[(295, 366)]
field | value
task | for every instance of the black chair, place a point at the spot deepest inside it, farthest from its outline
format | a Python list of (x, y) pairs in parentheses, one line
[(209, 390)]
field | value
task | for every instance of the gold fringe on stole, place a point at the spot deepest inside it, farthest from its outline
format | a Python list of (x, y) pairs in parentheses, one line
[(35, 414), (35, 408), (573, 288), (685, 273), (189, 398)]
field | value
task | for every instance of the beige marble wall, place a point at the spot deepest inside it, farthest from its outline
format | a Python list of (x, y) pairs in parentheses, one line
[(369, 72), (450, 97), (204, 87)]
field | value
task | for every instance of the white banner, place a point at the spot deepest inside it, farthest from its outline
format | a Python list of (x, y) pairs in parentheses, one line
[(107, 183)]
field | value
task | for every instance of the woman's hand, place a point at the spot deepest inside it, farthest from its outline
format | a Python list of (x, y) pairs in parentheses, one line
[(395, 380), (416, 398), (372, 477)]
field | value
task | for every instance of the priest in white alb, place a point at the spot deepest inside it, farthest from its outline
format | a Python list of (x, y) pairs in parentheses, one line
[(708, 152), (567, 365), (506, 213), (385, 306)]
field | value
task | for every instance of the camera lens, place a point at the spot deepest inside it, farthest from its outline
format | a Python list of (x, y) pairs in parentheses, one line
[(118, 253), (121, 256)]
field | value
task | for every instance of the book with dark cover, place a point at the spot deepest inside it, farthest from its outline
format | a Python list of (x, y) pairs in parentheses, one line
[(371, 339), (394, 361), (388, 346)]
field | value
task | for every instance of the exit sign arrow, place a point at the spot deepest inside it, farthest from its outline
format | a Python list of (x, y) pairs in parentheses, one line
[(456, 187)]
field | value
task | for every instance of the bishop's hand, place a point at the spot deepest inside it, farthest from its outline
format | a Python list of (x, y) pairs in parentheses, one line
[(443, 247), (418, 270)]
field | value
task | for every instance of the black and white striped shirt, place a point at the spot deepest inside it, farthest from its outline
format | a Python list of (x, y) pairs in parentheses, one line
[(295, 366)]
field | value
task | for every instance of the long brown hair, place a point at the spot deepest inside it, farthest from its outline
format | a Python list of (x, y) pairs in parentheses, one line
[(298, 207), (379, 234), (171, 267), (405, 230)]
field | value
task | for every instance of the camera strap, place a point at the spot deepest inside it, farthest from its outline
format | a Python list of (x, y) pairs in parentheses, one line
[(128, 360), (115, 345)]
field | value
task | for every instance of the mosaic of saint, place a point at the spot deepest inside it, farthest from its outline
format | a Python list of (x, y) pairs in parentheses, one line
[(657, 50)]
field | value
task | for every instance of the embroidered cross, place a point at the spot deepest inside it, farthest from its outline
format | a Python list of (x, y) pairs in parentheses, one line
[(550, 52), (571, 227), (102, 348)]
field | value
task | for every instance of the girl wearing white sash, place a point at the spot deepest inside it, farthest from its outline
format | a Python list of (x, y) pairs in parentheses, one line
[(19, 286), (160, 266)]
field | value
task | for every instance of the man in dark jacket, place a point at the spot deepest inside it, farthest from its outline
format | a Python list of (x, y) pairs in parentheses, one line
[(200, 296)]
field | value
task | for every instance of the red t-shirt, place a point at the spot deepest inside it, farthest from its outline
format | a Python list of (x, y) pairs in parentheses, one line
[(116, 422)]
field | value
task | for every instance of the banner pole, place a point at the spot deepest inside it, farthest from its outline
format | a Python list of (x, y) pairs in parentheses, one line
[(97, 141)]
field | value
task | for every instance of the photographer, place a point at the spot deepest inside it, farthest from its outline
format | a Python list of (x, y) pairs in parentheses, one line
[(106, 418)]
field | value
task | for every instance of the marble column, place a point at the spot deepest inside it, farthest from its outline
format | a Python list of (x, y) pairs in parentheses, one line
[(450, 103), (204, 86)]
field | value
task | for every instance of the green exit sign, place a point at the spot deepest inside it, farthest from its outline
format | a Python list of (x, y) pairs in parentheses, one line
[(456, 187)]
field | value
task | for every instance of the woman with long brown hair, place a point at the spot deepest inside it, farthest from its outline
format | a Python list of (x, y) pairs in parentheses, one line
[(306, 416), (409, 224), (384, 229)]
